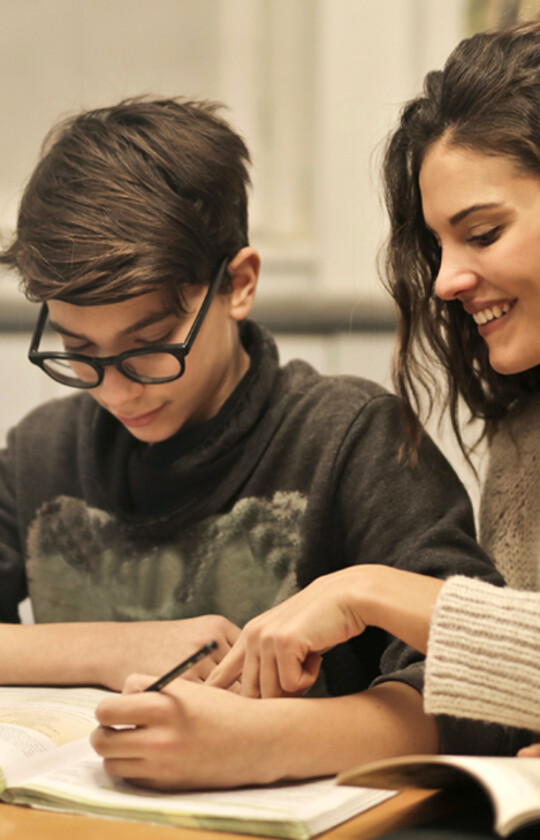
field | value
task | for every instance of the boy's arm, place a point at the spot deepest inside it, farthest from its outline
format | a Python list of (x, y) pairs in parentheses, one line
[(184, 732), (100, 653), (105, 653)]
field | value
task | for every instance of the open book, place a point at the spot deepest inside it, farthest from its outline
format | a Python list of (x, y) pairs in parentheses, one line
[(46, 761), (512, 784)]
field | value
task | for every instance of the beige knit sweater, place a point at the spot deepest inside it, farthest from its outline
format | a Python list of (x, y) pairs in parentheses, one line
[(483, 657)]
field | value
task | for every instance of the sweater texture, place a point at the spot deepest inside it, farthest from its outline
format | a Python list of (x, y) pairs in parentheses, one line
[(484, 645), (484, 649)]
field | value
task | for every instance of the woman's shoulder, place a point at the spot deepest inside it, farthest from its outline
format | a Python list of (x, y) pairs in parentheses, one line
[(510, 502), (517, 436)]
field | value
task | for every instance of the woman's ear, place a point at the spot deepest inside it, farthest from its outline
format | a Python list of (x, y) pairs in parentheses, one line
[(244, 271)]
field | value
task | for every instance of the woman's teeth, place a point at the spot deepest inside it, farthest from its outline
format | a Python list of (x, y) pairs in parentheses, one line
[(491, 313)]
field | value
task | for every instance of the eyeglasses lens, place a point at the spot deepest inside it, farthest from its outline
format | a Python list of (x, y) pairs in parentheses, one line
[(153, 367)]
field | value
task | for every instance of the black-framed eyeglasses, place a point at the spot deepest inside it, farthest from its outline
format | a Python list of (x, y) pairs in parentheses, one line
[(148, 365)]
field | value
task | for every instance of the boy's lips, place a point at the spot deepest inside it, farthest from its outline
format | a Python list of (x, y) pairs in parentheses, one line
[(139, 419)]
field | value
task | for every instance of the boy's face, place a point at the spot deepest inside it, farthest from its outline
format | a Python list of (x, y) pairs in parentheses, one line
[(214, 366)]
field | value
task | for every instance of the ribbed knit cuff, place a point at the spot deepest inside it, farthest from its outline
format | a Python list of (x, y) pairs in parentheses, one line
[(483, 658)]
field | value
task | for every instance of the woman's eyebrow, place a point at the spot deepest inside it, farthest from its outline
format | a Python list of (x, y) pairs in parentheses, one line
[(148, 320), (462, 214)]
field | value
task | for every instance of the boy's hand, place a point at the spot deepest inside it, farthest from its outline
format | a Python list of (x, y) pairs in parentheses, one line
[(181, 736), (279, 652), (190, 736), (532, 751), (157, 646)]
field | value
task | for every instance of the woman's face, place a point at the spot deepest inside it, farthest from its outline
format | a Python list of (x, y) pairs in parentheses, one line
[(485, 214)]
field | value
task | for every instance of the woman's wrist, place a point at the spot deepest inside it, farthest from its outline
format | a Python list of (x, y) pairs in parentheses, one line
[(397, 601)]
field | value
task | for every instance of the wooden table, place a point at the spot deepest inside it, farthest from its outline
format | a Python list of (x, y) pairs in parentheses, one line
[(19, 823)]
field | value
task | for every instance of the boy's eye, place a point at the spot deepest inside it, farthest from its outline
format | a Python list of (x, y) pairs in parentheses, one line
[(164, 338), (487, 237), (80, 348)]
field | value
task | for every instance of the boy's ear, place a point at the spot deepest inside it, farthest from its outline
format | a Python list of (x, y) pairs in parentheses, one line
[(244, 271)]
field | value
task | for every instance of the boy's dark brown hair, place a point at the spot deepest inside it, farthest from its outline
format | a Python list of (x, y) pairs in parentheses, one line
[(487, 98), (146, 194)]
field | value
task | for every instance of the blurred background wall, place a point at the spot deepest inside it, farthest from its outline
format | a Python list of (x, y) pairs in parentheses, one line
[(313, 85)]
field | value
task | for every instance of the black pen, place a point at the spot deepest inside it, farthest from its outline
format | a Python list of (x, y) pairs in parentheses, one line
[(182, 666)]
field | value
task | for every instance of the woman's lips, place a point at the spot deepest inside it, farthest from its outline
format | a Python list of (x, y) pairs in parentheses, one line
[(139, 419)]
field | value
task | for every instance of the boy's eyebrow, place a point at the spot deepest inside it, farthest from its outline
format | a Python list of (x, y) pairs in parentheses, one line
[(458, 217), (148, 320)]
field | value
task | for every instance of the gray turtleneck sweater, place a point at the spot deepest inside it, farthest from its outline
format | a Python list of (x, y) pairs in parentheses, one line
[(298, 475)]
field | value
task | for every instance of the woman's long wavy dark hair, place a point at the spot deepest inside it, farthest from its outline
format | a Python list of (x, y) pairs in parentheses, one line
[(487, 98)]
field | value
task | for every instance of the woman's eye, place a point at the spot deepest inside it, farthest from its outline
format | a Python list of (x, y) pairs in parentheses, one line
[(486, 238)]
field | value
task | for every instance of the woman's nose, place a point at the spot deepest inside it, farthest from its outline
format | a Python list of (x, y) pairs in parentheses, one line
[(455, 278)]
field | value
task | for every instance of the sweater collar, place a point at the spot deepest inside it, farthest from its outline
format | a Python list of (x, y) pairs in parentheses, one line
[(205, 462)]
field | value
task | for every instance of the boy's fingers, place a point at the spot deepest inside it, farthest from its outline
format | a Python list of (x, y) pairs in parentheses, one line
[(533, 751), (133, 709), (115, 743), (137, 682), (233, 633), (126, 768)]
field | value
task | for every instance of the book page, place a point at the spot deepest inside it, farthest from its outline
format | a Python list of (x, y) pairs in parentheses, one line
[(289, 810), (512, 784), (35, 721)]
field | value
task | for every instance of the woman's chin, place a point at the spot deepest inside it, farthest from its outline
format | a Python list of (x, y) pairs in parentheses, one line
[(507, 365)]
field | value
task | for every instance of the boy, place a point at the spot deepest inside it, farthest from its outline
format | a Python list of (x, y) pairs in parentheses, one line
[(191, 482)]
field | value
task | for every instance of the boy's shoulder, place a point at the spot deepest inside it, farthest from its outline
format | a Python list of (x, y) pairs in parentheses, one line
[(301, 378), (57, 418), (298, 378)]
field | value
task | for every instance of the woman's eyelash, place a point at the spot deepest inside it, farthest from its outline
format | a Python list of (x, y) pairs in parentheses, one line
[(486, 238)]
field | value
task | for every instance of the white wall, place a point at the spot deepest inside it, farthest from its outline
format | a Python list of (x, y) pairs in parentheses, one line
[(314, 85)]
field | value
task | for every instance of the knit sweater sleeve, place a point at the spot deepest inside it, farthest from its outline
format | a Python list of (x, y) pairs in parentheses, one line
[(484, 654)]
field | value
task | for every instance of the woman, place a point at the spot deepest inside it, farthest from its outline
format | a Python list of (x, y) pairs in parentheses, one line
[(462, 178)]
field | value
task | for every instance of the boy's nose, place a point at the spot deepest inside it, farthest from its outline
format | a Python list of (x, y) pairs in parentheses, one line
[(116, 389)]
